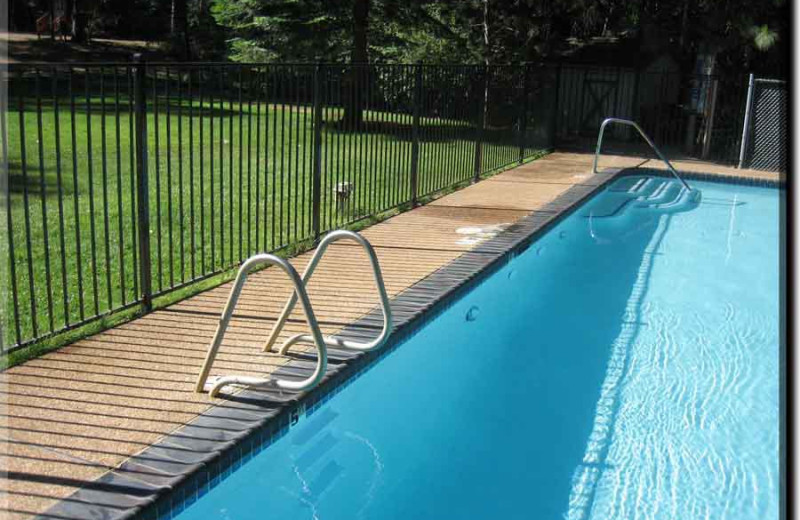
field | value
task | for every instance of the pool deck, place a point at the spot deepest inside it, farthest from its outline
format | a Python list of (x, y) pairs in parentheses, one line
[(73, 417)]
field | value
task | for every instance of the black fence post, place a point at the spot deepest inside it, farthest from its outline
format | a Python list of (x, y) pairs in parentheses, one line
[(523, 122), (415, 134), (635, 109), (143, 206), (556, 107), (316, 191), (481, 122)]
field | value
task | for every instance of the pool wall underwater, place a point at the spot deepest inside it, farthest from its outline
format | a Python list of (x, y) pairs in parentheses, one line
[(214, 460)]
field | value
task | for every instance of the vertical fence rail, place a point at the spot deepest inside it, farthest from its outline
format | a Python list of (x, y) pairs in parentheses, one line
[(143, 194), (415, 134), (317, 154), (523, 116), (482, 95)]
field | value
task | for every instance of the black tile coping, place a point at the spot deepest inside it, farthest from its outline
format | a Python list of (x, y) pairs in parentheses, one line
[(168, 476), (712, 177)]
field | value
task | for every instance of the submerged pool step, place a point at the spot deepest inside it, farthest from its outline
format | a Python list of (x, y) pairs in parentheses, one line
[(620, 196), (668, 191), (634, 190), (646, 188), (318, 454), (316, 451), (617, 214), (609, 206), (635, 186), (626, 184), (657, 191), (686, 199), (625, 192)]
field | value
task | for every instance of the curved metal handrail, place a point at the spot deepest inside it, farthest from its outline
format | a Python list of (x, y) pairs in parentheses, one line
[(316, 336), (333, 341), (646, 138)]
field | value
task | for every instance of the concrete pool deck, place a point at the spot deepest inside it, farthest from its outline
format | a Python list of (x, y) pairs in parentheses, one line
[(76, 416)]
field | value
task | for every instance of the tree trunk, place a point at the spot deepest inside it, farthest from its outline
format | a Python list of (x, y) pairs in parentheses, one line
[(187, 43), (486, 61), (78, 22), (52, 20), (360, 21), (485, 26), (13, 14), (179, 26), (359, 73), (684, 26)]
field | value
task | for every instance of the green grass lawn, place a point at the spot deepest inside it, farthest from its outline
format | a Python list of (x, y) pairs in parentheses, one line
[(224, 183)]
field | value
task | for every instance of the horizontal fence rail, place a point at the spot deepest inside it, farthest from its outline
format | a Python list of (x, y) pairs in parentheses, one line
[(131, 181)]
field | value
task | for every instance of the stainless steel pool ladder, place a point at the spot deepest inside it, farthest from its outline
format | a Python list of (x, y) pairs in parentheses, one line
[(628, 122), (315, 337)]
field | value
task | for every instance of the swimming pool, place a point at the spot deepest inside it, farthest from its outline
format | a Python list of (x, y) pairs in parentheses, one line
[(620, 368)]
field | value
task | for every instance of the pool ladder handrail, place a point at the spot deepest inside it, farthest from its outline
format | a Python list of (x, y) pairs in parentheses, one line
[(241, 277), (628, 122), (333, 341), (316, 337)]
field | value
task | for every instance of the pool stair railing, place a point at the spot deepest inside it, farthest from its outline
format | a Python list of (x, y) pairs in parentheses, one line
[(655, 195), (214, 385), (628, 122)]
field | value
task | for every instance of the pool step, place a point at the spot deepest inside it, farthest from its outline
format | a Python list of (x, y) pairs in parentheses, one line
[(685, 200), (649, 185), (610, 205), (642, 193), (668, 191), (621, 194), (317, 454), (626, 184), (625, 204)]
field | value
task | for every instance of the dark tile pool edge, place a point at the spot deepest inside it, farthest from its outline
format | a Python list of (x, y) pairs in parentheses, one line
[(744, 179), (165, 478)]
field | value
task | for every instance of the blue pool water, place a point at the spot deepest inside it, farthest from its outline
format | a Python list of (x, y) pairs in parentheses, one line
[(627, 371)]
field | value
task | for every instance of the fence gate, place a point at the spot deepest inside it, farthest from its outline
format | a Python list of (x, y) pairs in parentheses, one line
[(764, 137), (599, 99)]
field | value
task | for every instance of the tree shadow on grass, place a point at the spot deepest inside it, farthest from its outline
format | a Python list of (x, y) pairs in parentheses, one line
[(20, 179), (429, 132)]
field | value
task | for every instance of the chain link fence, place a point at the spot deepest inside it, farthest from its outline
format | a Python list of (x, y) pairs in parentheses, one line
[(764, 137)]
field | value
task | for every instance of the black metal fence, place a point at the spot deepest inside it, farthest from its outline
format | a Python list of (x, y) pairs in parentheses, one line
[(129, 181)]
